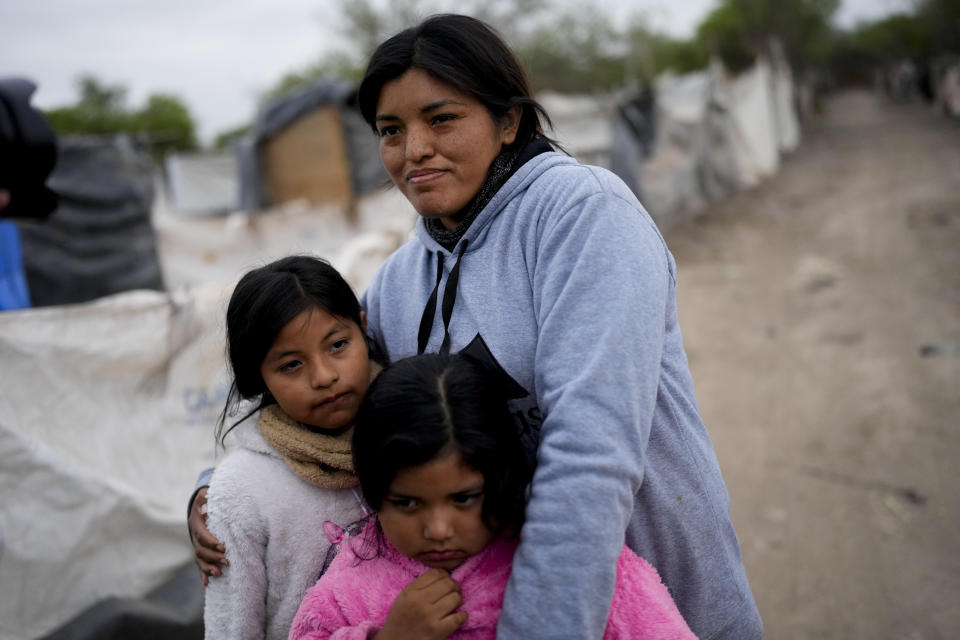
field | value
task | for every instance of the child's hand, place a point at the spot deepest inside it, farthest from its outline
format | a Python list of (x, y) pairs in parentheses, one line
[(425, 609), (209, 553)]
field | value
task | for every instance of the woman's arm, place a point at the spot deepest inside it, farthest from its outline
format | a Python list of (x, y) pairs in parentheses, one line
[(601, 282), (209, 553)]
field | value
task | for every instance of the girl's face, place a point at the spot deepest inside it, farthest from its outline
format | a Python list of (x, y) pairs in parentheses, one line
[(317, 369), (432, 512), (437, 143)]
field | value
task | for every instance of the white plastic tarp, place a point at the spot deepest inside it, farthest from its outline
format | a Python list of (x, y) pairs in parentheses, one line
[(202, 183), (582, 124), (756, 141), (106, 416), (713, 134), (784, 99), (107, 409), (221, 248), (669, 181)]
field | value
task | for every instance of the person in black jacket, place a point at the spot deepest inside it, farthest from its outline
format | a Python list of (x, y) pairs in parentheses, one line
[(28, 153)]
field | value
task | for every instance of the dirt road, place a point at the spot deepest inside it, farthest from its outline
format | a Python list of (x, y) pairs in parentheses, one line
[(821, 314)]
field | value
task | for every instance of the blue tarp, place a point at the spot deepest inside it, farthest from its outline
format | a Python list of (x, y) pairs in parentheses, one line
[(13, 282)]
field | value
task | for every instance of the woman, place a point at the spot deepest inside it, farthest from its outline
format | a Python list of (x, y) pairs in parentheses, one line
[(553, 273)]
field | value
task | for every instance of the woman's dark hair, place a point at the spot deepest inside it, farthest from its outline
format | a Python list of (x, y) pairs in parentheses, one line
[(263, 302), (464, 53), (423, 406)]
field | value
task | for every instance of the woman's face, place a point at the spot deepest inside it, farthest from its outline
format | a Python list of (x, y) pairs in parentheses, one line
[(437, 143)]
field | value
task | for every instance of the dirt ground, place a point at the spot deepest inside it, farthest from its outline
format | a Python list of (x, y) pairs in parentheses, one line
[(821, 315)]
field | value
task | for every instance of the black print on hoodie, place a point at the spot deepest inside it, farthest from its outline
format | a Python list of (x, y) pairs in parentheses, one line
[(526, 414)]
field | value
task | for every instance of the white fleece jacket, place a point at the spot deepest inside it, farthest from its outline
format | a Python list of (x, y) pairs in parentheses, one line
[(271, 522)]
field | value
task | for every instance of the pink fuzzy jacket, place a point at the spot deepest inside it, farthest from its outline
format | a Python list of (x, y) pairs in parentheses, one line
[(352, 599)]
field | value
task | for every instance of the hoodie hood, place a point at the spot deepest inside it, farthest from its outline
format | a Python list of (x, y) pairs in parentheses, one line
[(518, 182), (448, 262)]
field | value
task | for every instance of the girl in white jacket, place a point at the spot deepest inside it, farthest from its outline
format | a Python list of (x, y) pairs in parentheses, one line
[(297, 349)]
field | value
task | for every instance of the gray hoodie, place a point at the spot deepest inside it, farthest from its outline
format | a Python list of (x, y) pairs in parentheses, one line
[(565, 285)]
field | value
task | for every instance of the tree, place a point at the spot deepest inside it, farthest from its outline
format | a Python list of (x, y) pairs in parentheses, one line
[(100, 110), (228, 137), (941, 22), (739, 30), (365, 26), (167, 123), (164, 122), (932, 30), (574, 53)]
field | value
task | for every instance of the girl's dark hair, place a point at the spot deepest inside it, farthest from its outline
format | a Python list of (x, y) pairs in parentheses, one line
[(466, 54), (263, 302), (419, 408)]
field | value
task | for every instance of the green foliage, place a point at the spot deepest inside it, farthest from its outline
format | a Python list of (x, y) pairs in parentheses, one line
[(892, 38), (679, 56), (167, 123), (738, 30), (365, 26), (101, 109), (584, 50), (931, 30), (335, 65), (562, 50), (226, 138), (940, 21), (572, 54), (727, 33)]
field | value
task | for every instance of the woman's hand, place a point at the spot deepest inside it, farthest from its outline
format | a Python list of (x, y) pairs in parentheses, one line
[(209, 553), (425, 609)]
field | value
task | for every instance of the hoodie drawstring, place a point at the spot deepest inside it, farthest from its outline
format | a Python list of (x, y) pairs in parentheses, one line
[(426, 320), (446, 308)]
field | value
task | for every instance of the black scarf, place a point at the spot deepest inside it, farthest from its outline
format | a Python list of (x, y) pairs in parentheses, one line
[(501, 169)]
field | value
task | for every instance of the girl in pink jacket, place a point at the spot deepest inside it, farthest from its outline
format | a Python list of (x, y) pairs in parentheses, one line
[(437, 454)]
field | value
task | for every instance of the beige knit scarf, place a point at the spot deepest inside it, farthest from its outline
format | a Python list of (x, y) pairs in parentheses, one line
[(323, 459), (319, 458)]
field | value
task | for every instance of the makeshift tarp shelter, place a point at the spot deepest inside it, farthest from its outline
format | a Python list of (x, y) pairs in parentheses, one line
[(692, 139), (716, 134), (581, 123), (691, 160), (196, 250), (313, 144), (202, 183), (946, 85), (99, 240), (106, 416)]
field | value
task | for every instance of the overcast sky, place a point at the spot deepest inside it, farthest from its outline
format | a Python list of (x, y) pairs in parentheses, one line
[(218, 55)]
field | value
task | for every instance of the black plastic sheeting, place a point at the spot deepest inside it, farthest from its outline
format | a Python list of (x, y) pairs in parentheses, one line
[(363, 147), (174, 611), (100, 239)]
